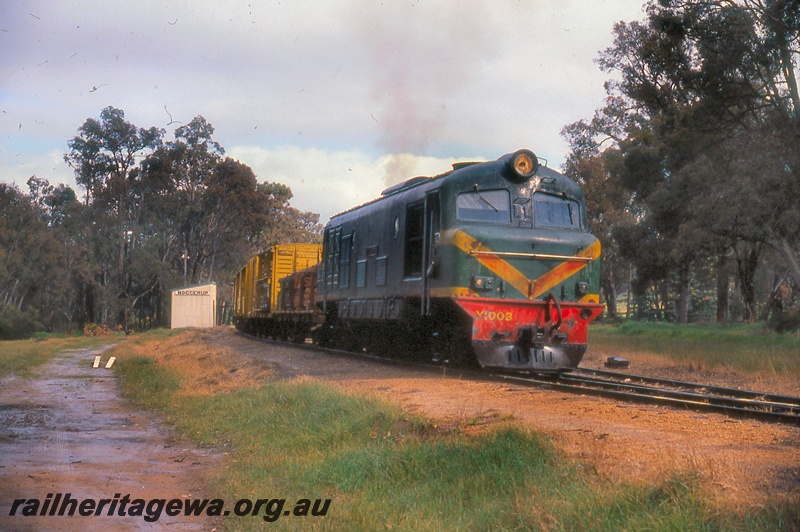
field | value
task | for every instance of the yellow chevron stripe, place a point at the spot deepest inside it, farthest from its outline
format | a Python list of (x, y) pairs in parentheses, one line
[(503, 269), (565, 269), (514, 277)]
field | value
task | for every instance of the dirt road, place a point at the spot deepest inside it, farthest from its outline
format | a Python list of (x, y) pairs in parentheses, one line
[(68, 431)]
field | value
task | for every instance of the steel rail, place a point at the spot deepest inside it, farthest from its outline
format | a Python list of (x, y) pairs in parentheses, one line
[(708, 398), (742, 409), (710, 388)]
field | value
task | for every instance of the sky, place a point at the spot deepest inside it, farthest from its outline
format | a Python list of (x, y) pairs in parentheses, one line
[(337, 99)]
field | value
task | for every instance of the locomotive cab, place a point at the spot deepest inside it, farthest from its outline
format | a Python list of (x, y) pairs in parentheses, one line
[(521, 264)]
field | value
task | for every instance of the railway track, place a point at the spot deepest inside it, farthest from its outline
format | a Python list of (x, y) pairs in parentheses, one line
[(734, 402)]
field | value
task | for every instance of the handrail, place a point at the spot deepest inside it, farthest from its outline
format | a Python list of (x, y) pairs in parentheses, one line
[(539, 256)]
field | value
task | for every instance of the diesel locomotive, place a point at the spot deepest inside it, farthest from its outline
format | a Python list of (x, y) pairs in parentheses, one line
[(488, 264)]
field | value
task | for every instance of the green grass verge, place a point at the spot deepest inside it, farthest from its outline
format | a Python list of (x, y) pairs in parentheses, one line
[(20, 357), (386, 470), (743, 347)]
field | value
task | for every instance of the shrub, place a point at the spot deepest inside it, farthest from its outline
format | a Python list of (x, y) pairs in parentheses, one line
[(16, 324), (785, 321), (96, 329)]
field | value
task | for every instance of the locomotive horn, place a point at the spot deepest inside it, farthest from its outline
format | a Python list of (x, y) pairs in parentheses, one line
[(522, 165)]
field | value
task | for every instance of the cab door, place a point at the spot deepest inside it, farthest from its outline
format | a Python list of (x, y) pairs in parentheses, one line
[(431, 233)]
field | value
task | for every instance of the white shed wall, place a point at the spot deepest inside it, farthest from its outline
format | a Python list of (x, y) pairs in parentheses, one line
[(193, 307)]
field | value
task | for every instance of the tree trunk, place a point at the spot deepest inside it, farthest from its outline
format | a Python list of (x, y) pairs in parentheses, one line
[(746, 265), (769, 304), (610, 292), (787, 62), (157, 317), (684, 294), (611, 298), (215, 249), (629, 301), (723, 283), (123, 294)]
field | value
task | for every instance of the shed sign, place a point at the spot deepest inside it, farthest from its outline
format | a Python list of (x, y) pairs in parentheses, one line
[(192, 292)]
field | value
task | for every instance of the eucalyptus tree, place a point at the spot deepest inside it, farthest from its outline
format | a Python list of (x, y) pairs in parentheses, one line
[(648, 119), (105, 156), (284, 222), (703, 115), (183, 169), (64, 303), (28, 262), (159, 214), (748, 50), (778, 123)]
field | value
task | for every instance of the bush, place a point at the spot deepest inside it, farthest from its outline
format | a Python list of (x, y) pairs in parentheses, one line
[(16, 324), (96, 329), (785, 321)]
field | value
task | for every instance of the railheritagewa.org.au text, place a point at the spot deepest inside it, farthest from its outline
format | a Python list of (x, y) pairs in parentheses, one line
[(151, 510)]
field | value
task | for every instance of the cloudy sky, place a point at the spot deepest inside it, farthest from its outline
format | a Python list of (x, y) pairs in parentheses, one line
[(337, 99)]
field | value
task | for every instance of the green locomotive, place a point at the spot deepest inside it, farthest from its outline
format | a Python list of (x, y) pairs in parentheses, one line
[(490, 264)]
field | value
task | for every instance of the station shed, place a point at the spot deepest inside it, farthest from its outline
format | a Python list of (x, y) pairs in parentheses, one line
[(193, 306)]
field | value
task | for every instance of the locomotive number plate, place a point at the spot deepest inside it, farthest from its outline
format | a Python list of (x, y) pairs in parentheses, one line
[(495, 315)]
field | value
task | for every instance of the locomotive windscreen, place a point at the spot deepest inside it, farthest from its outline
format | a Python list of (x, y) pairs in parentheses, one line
[(555, 211), (484, 206)]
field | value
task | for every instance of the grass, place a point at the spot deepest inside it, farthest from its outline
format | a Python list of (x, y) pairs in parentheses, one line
[(384, 469), (20, 357), (741, 347)]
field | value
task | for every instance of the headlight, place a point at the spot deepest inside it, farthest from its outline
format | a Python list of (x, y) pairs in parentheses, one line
[(523, 165)]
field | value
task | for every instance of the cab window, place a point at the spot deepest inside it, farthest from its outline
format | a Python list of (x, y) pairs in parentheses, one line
[(484, 206), (555, 211)]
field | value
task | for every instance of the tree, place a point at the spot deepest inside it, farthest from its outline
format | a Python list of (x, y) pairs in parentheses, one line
[(698, 81), (182, 169), (105, 156), (285, 223), (653, 109), (28, 262), (609, 205), (158, 214), (62, 214)]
